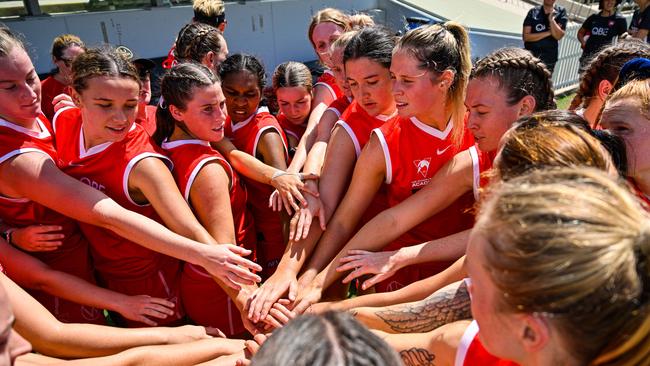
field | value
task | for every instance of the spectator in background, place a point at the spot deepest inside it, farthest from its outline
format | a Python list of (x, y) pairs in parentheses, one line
[(544, 26), (640, 24), (210, 12), (64, 49), (146, 113), (599, 30)]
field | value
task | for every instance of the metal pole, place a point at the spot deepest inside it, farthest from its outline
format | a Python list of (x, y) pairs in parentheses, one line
[(32, 7)]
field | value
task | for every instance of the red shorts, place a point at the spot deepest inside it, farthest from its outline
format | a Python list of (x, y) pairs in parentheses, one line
[(163, 283), (207, 304)]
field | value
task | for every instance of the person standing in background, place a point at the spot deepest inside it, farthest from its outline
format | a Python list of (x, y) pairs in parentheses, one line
[(640, 24), (544, 26), (599, 30), (64, 49)]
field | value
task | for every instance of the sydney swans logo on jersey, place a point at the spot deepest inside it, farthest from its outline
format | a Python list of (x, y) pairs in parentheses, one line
[(422, 167)]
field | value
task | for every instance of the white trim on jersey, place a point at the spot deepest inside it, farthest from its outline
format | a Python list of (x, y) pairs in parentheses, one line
[(45, 133), (387, 159), (131, 164), (353, 136), (292, 134), (476, 171), (170, 145), (16, 152), (465, 342), (442, 135), (335, 111), (193, 175), (259, 135), (237, 126), (56, 116), (329, 88)]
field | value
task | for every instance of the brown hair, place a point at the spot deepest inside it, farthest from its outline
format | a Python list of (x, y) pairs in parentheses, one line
[(519, 74), (195, 40), (177, 88), (441, 47), (101, 62), (549, 139), (291, 74), (606, 66), (9, 40), (572, 245), (62, 42), (330, 15)]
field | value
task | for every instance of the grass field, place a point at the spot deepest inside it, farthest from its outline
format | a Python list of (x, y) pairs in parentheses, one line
[(564, 101)]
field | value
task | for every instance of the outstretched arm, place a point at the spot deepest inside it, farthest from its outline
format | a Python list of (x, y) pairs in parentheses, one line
[(51, 337)]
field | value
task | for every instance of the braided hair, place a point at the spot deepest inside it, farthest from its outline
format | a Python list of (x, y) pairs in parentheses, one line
[(240, 62), (606, 66), (177, 88), (195, 40), (519, 74)]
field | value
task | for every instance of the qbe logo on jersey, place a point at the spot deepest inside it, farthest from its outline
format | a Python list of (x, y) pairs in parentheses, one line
[(422, 167)]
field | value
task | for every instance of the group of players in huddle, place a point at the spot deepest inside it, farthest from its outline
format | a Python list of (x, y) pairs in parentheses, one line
[(236, 212)]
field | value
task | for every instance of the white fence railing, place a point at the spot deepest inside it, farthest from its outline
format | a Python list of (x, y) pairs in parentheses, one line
[(566, 73)]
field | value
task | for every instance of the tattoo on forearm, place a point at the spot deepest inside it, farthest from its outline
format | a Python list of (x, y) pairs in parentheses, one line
[(417, 357), (444, 306)]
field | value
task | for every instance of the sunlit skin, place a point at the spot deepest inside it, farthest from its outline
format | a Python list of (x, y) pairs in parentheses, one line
[(12, 344), (242, 94), (223, 52), (490, 115), (204, 115), (294, 103), (65, 64), (338, 69), (370, 84), (108, 108), (20, 89), (626, 118), (322, 37), (415, 91), (496, 326)]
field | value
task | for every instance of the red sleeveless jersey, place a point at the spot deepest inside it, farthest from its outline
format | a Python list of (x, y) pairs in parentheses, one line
[(340, 105), (189, 157), (291, 129), (359, 124), (123, 265), (481, 164), (413, 154), (203, 300), (72, 257), (328, 80), (471, 351), (245, 136)]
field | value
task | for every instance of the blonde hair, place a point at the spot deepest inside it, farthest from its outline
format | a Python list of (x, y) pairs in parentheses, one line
[(638, 90), (62, 42), (360, 21), (343, 40), (573, 245), (9, 40), (210, 12), (444, 47), (329, 15)]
